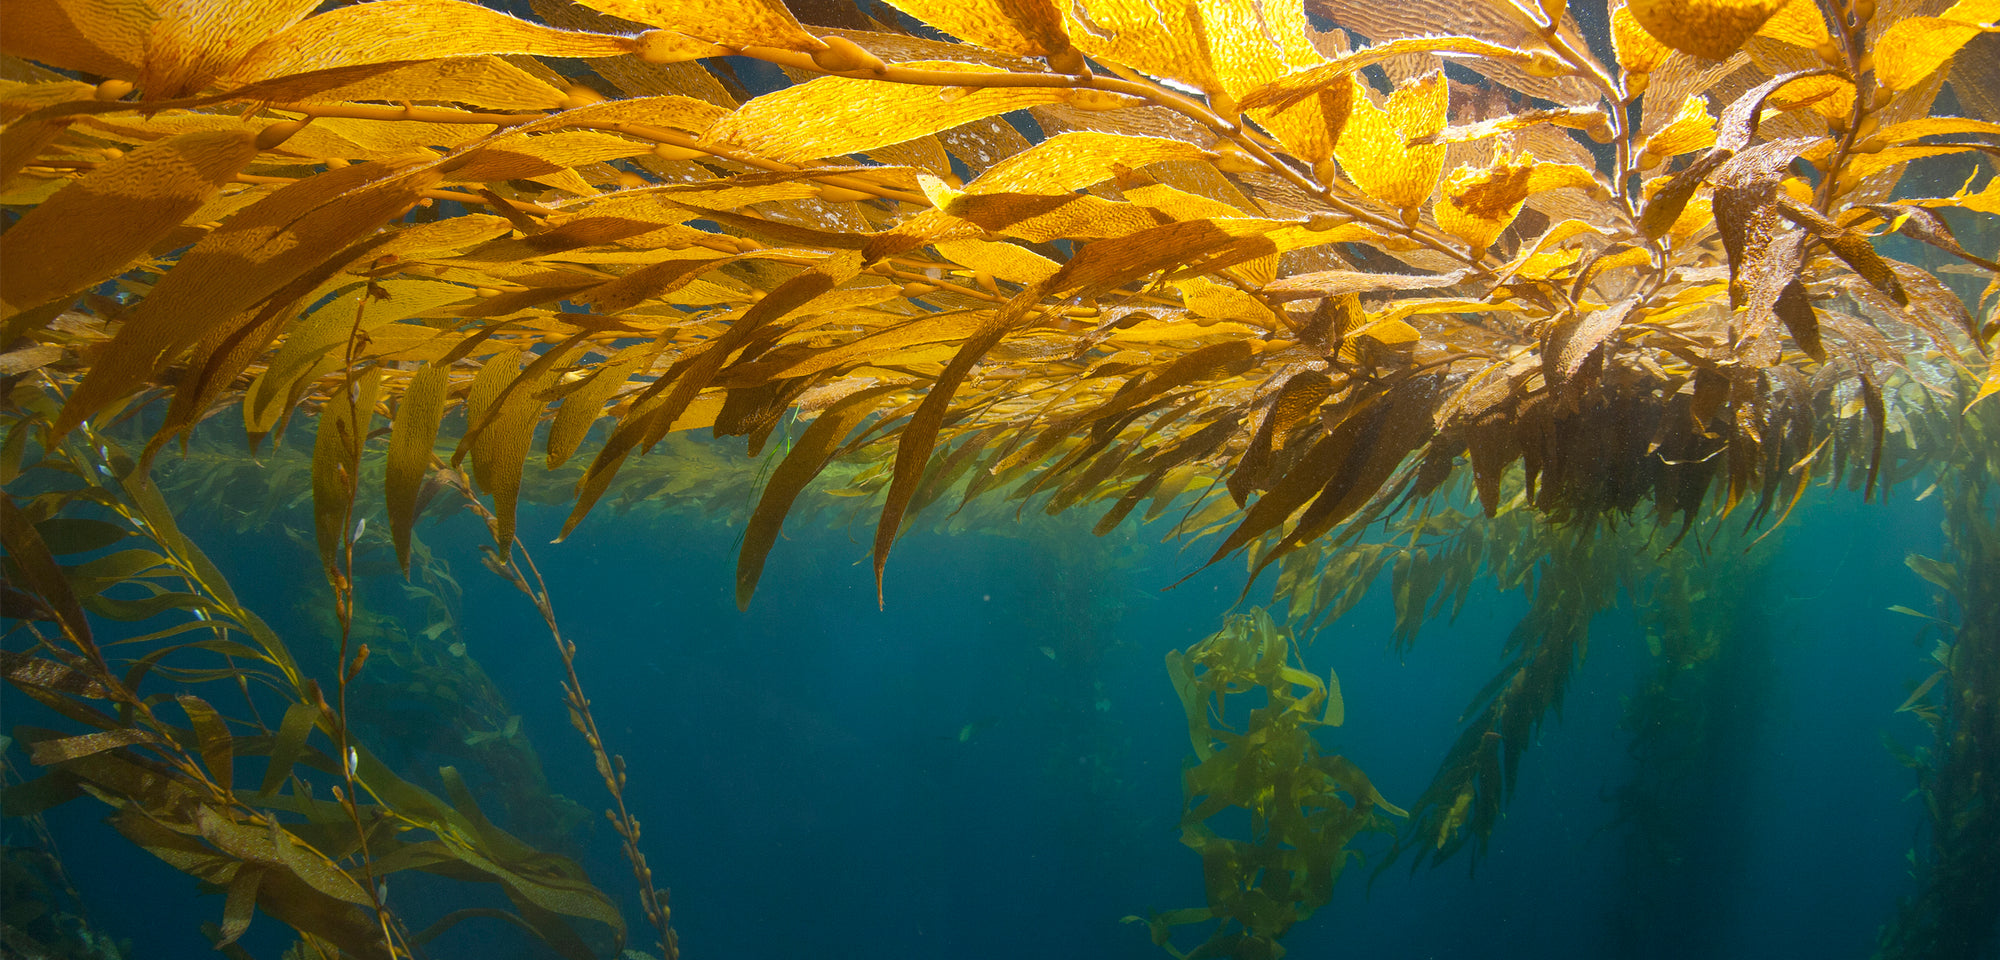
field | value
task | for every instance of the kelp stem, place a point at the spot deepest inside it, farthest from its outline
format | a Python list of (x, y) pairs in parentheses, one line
[(527, 578)]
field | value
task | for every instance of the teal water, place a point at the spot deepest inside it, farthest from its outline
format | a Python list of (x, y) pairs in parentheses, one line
[(990, 766)]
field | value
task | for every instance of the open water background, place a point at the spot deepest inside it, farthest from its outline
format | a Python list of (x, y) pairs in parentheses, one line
[(821, 778)]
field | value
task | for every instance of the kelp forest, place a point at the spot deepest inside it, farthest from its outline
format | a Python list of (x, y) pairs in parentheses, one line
[(1382, 309)]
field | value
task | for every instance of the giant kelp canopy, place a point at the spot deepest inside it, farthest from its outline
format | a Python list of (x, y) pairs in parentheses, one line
[(1219, 249), (1296, 267)]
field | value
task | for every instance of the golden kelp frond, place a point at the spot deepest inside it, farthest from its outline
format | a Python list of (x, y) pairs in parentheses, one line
[(1375, 151), (1304, 806), (1713, 29)]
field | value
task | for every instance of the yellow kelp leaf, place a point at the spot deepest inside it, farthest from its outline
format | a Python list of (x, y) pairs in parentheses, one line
[(95, 225), (1338, 283), (1548, 254), (1005, 261), (1382, 332), (411, 437), (1705, 28), (584, 405), (1217, 244), (1182, 205), (1288, 90), (379, 33), (1477, 203), (738, 23), (1572, 118), (810, 455), (1934, 127), (1985, 200), (486, 389), (1990, 387), (102, 37), (501, 449), (679, 113), (1697, 217), (1638, 52), (1252, 44), (488, 82), (831, 116), (316, 345), (1028, 28), (1798, 23), (1691, 129), (1829, 96), (946, 328), (1041, 219), (1374, 148), (1071, 161), (1861, 165), (444, 237), (1311, 127), (1154, 331), (251, 256), (1286, 236), (515, 158), (27, 139), (196, 41), (1697, 214), (1220, 301), (352, 139), (1913, 49), (1163, 39)]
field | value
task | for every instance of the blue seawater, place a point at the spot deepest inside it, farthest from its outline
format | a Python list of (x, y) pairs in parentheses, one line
[(989, 766)]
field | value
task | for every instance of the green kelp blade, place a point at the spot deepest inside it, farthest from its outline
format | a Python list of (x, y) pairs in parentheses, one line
[(535, 881), (338, 438), (217, 746), (289, 743), (38, 571), (240, 904), (62, 750), (66, 535)]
